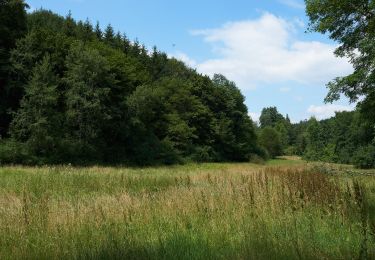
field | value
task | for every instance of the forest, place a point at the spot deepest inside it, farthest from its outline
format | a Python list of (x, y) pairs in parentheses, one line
[(111, 150), (78, 93), (72, 93)]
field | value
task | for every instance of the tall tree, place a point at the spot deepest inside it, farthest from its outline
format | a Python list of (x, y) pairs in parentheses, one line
[(109, 35), (270, 117), (12, 27), (269, 138), (69, 25), (38, 121), (352, 25), (87, 32), (98, 31), (88, 80)]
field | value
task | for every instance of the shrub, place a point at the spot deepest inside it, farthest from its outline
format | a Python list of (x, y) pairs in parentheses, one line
[(12, 152), (364, 158), (203, 154), (291, 150), (256, 159)]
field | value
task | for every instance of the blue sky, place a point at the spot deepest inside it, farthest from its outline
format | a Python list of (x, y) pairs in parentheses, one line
[(261, 45)]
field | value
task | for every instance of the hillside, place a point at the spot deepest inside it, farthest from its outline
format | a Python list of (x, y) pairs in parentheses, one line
[(72, 93)]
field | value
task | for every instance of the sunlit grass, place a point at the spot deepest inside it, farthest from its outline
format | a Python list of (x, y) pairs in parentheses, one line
[(286, 210)]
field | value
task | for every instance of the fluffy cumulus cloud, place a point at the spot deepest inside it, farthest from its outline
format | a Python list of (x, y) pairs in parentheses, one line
[(263, 51), (327, 111)]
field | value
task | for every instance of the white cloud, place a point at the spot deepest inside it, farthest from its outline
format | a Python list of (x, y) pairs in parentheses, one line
[(298, 4), (184, 58), (327, 111), (254, 116), (264, 50)]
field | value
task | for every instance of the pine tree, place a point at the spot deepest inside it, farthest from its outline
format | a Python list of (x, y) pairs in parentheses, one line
[(118, 40), (98, 31), (125, 43), (136, 48), (37, 121), (87, 30), (88, 82), (69, 25), (12, 27), (109, 35)]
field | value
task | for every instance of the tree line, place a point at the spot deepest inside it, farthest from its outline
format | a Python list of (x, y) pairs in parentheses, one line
[(345, 138), (349, 137), (74, 93)]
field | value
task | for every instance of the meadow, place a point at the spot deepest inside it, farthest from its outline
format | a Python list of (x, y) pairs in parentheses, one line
[(286, 209)]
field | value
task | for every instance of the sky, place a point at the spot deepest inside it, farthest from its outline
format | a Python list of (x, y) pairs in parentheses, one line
[(262, 46)]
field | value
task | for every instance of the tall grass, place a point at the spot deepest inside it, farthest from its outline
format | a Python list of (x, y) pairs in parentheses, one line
[(208, 211)]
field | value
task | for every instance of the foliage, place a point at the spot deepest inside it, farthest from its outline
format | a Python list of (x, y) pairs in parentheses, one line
[(81, 95), (12, 152), (352, 25), (269, 138), (365, 157), (339, 139), (12, 27), (282, 131), (270, 117), (38, 122)]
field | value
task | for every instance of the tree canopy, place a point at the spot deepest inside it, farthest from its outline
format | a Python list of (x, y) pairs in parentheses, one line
[(81, 94)]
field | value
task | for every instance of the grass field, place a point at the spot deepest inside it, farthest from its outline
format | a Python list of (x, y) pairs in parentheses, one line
[(286, 209)]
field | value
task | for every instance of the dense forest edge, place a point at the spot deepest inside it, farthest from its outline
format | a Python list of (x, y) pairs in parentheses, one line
[(72, 92)]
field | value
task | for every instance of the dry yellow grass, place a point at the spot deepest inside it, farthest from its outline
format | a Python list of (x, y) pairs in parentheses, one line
[(195, 211)]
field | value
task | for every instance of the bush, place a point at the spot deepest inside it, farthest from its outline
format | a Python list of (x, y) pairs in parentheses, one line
[(152, 151), (256, 159), (12, 152), (364, 158), (291, 150), (203, 154)]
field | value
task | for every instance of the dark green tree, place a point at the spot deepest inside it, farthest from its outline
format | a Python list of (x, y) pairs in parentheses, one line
[(12, 27), (38, 121), (269, 138), (98, 31), (109, 35), (85, 31), (88, 80), (69, 25), (236, 136), (270, 117)]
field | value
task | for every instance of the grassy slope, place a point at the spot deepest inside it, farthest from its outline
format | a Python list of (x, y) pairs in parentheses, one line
[(283, 210)]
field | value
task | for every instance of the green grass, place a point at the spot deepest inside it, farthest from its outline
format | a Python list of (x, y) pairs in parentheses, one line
[(286, 209)]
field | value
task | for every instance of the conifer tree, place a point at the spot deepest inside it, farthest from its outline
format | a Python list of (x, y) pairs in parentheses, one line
[(88, 81), (87, 31), (69, 25), (12, 27), (98, 31), (109, 35), (37, 122)]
